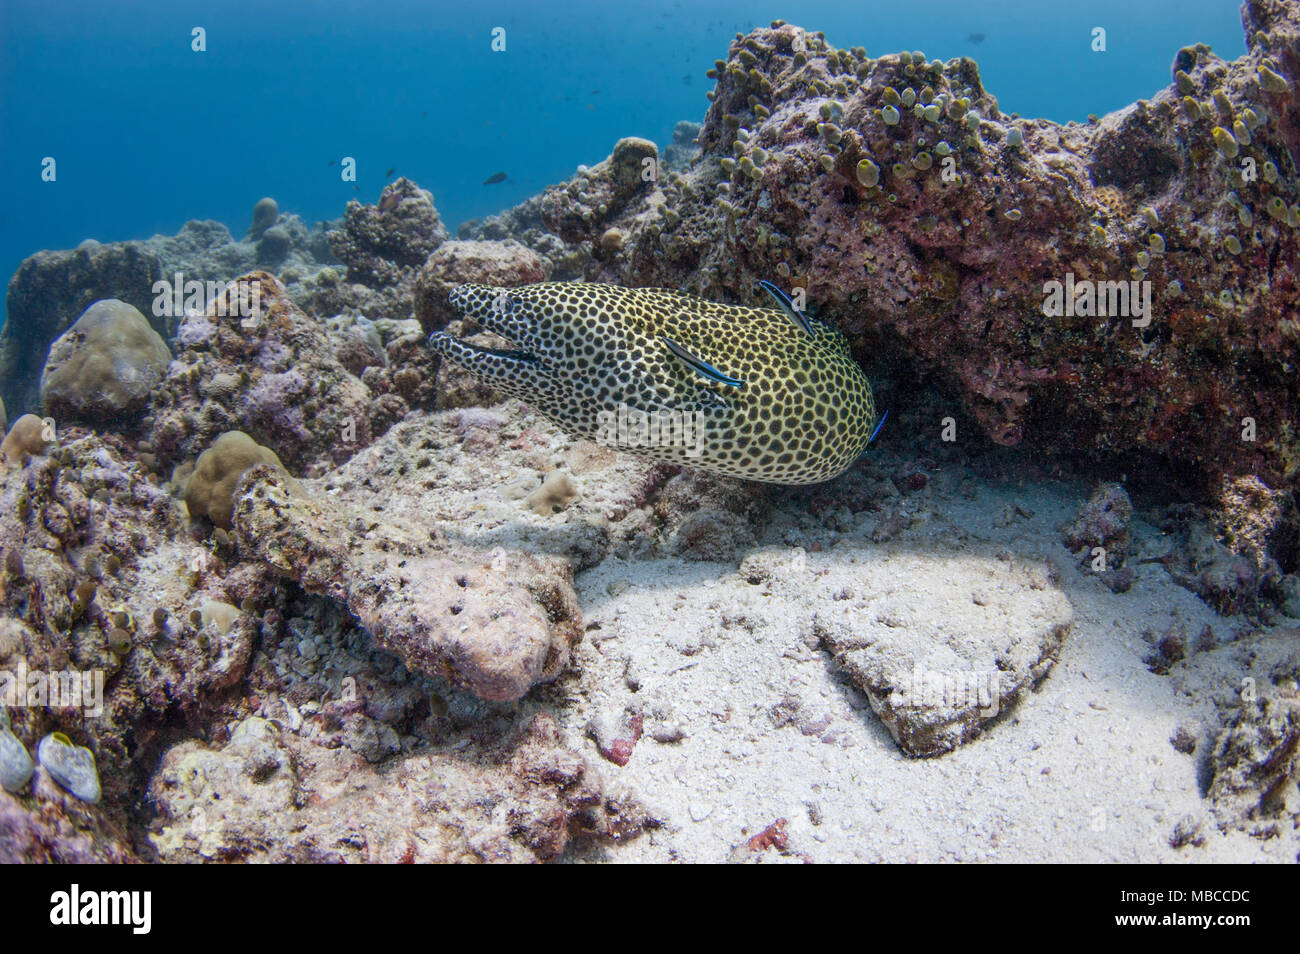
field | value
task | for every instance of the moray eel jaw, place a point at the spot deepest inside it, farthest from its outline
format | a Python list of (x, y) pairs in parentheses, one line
[(522, 371), (734, 390)]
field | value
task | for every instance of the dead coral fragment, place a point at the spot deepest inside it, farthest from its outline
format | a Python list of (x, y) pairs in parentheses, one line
[(556, 492)]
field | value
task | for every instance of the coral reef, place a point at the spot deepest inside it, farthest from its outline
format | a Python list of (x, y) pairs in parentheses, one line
[(383, 246), (99, 578), (946, 250), (50, 289), (255, 362)]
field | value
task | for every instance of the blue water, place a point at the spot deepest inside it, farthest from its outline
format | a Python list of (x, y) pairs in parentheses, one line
[(147, 133)]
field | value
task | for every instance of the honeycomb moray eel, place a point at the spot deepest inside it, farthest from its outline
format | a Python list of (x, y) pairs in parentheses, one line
[(759, 393)]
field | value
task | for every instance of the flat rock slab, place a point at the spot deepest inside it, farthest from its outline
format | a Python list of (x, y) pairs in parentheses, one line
[(272, 795), (943, 642), (420, 536), (494, 630)]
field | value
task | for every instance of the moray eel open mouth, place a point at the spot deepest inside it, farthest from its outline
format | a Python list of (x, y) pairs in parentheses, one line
[(759, 393), (494, 318)]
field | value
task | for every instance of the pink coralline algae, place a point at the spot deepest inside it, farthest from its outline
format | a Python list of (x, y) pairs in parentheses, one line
[(262, 366)]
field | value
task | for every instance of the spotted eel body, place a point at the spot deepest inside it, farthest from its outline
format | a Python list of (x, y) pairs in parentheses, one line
[(773, 401)]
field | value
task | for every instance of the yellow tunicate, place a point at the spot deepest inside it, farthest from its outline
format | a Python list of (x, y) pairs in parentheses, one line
[(1232, 244), (1272, 82), (1241, 133), (1227, 145), (1157, 243), (868, 173), (1143, 259)]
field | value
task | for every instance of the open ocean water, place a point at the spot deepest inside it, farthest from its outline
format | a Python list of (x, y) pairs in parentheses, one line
[(147, 133)]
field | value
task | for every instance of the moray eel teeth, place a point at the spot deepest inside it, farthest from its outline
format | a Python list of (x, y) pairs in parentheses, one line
[(698, 365), (782, 299), (779, 398)]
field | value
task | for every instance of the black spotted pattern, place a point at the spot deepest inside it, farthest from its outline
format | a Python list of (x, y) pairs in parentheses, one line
[(803, 416)]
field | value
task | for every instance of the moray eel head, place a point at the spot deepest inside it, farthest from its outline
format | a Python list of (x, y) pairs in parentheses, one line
[(756, 393)]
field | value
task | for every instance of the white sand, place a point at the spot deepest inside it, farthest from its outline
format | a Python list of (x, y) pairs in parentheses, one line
[(1080, 770)]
